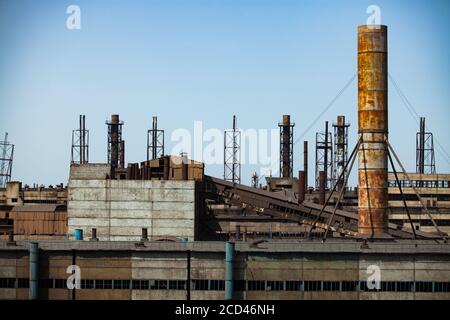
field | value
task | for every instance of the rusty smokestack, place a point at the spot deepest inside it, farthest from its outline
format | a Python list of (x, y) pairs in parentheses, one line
[(301, 186), (286, 145), (305, 162), (322, 185), (373, 130)]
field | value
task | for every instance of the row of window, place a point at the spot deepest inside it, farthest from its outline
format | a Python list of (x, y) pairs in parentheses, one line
[(421, 184), (239, 285)]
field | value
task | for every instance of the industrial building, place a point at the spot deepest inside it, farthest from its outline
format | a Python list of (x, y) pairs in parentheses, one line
[(163, 229)]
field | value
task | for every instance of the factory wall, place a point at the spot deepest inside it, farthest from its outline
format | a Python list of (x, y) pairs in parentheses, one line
[(119, 209), (160, 275)]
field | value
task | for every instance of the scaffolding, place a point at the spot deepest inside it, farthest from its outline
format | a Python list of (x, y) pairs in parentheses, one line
[(286, 147), (425, 162), (155, 141), (324, 157), (115, 142), (232, 154), (6, 161), (340, 154), (80, 143)]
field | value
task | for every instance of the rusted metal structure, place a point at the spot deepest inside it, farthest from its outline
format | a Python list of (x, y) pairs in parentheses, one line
[(232, 154), (80, 143), (155, 141), (324, 157), (286, 146), (425, 162), (373, 129), (340, 156), (301, 186), (6, 161), (114, 140)]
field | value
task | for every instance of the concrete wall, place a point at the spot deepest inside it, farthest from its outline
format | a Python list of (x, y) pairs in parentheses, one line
[(208, 265), (119, 209)]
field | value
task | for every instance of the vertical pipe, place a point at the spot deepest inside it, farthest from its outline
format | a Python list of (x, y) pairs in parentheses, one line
[(322, 184), (325, 156), (286, 147), (373, 129), (305, 162), (233, 169), (154, 137), (422, 146), (301, 186), (122, 154), (34, 270), (81, 139), (115, 140), (229, 257), (188, 280)]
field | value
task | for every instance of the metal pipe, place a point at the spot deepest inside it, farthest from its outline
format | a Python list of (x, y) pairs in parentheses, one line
[(229, 257), (325, 156), (115, 140), (373, 128), (122, 154), (286, 146), (322, 183), (422, 146), (301, 186), (34, 270), (305, 162)]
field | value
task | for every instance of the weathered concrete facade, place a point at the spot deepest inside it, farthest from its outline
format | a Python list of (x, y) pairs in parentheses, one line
[(119, 209), (273, 270)]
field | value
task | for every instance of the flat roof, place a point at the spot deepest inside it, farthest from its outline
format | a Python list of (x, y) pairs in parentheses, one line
[(331, 246)]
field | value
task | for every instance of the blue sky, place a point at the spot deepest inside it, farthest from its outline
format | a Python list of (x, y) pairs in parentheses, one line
[(207, 60)]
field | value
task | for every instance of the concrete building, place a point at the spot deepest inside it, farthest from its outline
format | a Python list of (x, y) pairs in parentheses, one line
[(120, 209), (197, 270)]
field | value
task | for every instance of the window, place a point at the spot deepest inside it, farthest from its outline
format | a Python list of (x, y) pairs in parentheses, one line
[(200, 284), (60, 283), (239, 285), (312, 285), (87, 284), (424, 286), (119, 284), (140, 284), (216, 285), (293, 285), (442, 287), (388, 286), (254, 285), (177, 284), (275, 285), (331, 286), (103, 284), (404, 286), (7, 283), (348, 285), (158, 284)]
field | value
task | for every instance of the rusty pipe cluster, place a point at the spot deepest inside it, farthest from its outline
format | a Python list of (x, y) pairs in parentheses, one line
[(373, 130)]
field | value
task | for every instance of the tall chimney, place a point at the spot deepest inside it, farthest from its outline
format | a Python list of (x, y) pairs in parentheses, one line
[(373, 129)]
